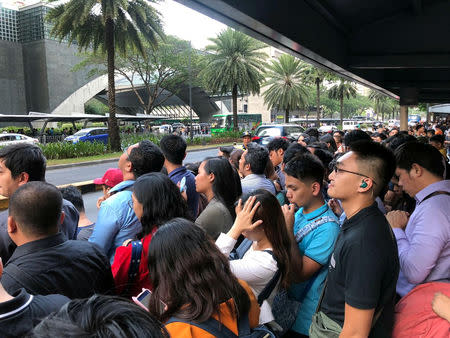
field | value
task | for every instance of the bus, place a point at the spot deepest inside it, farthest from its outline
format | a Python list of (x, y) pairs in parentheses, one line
[(224, 122)]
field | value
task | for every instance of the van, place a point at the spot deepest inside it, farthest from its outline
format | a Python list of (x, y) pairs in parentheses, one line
[(350, 125)]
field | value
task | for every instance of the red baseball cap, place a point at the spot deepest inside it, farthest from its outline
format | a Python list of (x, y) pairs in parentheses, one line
[(111, 177)]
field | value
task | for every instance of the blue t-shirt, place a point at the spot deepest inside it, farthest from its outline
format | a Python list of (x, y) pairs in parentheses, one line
[(317, 245)]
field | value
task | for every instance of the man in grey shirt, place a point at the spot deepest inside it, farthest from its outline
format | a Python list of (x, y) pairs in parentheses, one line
[(252, 164)]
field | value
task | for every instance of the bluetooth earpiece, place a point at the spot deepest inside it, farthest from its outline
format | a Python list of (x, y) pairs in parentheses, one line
[(363, 184)]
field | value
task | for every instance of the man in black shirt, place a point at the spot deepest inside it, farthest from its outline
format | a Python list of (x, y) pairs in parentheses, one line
[(19, 164), (364, 267), (44, 262), (20, 312)]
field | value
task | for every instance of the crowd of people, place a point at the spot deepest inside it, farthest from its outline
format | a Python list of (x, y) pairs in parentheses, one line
[(343, 234)]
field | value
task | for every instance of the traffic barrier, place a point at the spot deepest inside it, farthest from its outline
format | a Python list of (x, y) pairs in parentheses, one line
[(84, 186)]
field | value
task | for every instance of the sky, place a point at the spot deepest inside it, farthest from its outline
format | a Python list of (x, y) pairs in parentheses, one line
[(188, 24), (178, 20)]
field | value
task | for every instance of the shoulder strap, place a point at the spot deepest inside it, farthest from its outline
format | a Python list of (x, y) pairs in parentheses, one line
[(435, 194), (211, 325), (268, 289), (244, 326), (301, 233), (240, 251), (19, 275), (136, 252)]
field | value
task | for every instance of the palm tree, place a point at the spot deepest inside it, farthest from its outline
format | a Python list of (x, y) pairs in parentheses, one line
[(286, 88), (381, 103), (107, 25), (339, 91), (235, 64), (317, 76)]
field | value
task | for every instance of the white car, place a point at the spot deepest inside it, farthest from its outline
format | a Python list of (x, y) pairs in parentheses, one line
[(327, 129), (9, 138)]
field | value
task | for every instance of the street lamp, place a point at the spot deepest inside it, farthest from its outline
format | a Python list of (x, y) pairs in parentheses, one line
[(190, 92)]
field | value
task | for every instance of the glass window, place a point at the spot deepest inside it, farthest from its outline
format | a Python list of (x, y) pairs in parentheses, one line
[(269, 131)]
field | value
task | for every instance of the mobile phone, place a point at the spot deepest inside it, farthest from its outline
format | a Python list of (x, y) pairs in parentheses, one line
[(183, 184), (143, 299)]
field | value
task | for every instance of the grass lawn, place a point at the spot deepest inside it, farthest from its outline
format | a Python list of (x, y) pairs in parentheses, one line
[(117, 155)]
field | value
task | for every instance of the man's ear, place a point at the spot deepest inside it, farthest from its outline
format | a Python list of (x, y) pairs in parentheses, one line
[(280, 152), (23, 178), (185, 154), (12, 225), (63, 215), (247, 167), (316, 189), (416, 170)]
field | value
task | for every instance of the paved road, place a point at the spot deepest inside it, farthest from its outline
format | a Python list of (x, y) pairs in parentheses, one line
[(89, 172)]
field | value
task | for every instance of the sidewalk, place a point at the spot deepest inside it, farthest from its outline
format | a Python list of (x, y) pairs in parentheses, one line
[(110, 160)]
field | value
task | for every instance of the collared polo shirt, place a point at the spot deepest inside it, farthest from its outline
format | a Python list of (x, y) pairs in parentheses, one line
[(363, 270), (254, 182), (317, 245)]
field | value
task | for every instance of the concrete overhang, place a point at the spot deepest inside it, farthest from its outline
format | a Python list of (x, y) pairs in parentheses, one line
[(397, 47)]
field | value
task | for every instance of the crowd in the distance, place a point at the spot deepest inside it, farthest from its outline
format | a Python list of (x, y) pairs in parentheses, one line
[(332, 235)]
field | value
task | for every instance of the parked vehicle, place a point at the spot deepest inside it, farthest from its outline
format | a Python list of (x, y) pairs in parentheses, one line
[(327, 129), (393, 123), (165, 129), (177, 125), (89, 135), (350, 125), (265, 133), (9, 138)]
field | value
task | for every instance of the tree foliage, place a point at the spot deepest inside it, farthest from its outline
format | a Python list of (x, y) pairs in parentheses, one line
[(160, 71), (315, 76), (104, 26), (286, 89), (340, 91), (234, 64)]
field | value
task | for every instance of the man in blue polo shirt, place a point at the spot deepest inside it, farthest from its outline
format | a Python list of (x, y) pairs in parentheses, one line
[(174, 150), (313, 229)]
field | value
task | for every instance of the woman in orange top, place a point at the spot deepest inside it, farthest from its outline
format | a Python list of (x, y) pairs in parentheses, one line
[(156, 200), (194, 281)]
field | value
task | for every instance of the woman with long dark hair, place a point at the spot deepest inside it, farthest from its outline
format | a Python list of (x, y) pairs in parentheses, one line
[(156, 200), (194, 281), (222, 187), (260, 219)]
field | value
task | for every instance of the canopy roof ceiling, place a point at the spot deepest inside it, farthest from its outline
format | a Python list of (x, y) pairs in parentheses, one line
[(399, 47)]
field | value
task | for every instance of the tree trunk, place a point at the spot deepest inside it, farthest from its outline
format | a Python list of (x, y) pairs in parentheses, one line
[(235, 117), (382, 116), (318, 102), (286, 116), (113, 128), (341, 112)]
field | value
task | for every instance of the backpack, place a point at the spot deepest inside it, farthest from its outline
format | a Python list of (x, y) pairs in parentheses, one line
[(219, 330)]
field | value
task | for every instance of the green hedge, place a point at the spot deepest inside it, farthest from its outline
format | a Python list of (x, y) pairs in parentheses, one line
[(60, 150)]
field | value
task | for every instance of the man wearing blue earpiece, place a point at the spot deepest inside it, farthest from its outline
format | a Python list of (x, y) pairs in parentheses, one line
[(359, 296)]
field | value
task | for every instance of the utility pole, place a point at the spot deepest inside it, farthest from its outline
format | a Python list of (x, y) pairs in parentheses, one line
[(190, 92)]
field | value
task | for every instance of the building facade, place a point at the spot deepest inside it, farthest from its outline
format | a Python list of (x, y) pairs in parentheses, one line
[(35, 69)]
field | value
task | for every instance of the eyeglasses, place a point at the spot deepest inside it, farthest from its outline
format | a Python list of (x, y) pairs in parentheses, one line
[(338, 170)]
